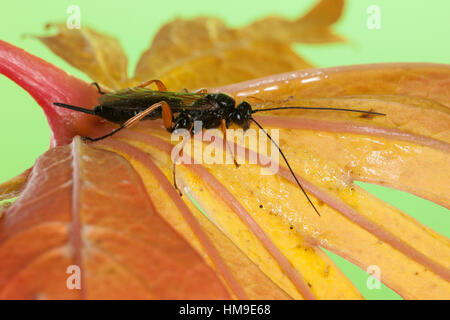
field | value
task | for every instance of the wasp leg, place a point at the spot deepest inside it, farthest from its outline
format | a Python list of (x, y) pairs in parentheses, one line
[(174, 173), (166, 113), (174, 168), (99, 90), (159, 84), (223, 128)]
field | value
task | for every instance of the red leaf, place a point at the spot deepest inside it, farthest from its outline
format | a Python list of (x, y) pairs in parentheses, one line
[(47, 84), (87, 207)]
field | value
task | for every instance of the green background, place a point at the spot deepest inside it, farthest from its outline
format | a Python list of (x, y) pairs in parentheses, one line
[(411, 31)]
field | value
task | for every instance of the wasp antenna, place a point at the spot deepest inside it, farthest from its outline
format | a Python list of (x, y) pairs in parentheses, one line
[(68, 106), (318, 108), (287, 163)]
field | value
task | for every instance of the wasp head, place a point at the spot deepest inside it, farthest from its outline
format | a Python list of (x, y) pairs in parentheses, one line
[(242, 114)]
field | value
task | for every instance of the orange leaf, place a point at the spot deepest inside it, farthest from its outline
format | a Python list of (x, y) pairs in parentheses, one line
[(184, 52), (87, 208), (97, 54), (314, 27)]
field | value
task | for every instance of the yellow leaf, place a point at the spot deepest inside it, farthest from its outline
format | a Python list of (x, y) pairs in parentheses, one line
[(204, 52), (13, 187), (100, 56), (314, 27), (260, 234)]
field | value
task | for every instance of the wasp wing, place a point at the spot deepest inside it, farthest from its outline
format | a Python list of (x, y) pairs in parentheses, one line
[(175, 99)]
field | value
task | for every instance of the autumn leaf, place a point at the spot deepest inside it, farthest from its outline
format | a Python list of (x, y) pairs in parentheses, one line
[(314, 27), (12, 188), (123, 244), (252, 236), (103, 58), (184, 52)]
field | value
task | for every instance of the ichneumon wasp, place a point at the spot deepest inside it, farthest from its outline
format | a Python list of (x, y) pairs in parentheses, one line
[(179, 110)]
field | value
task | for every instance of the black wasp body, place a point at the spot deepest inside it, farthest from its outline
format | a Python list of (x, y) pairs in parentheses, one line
[(211, 109), (179, 110)]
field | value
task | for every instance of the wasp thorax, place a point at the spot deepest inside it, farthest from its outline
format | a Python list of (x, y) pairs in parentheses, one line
[(224, 101), (183, 121)]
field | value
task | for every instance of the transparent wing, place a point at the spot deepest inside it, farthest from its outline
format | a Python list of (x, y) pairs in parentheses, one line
[(188, 98)]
